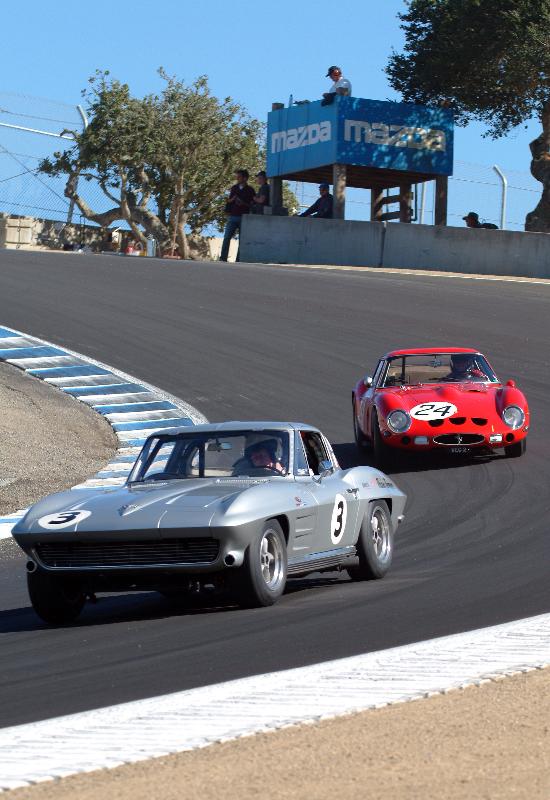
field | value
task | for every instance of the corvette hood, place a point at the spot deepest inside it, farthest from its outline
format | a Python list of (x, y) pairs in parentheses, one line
[(185, 503)]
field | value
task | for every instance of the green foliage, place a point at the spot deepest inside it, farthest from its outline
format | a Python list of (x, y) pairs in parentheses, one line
[(165, 161), (488, 60), (290, 201)]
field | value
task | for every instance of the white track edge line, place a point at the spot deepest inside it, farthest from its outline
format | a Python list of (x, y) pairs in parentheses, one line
[(195, 718), (408, 271)]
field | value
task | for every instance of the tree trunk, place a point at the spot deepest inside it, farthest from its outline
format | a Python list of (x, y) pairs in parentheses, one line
[(133, 213), (538, 220), (183, 242)]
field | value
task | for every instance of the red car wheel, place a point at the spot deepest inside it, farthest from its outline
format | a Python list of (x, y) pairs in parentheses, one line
[(384, 456), (360, 439), (516, 450)]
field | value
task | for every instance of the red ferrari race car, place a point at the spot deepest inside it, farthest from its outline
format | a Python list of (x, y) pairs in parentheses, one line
[(445, 399)]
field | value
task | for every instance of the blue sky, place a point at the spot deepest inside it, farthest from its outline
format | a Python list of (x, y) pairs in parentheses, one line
[(256, 52)]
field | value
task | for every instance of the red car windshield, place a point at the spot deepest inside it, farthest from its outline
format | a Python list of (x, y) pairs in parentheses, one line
[(438, 368)]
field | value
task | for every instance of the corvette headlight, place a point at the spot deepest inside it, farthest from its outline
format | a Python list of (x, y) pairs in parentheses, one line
[(399, 421), (513, 416)]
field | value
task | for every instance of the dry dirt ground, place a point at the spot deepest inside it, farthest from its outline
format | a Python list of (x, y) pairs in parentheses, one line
[(48, 440), (490, 742)]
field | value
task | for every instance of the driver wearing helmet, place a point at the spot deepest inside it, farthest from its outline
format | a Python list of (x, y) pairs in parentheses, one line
[(261, 456), (464, 368)]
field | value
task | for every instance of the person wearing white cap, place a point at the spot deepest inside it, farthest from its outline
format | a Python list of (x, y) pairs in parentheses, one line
[(340, 85)]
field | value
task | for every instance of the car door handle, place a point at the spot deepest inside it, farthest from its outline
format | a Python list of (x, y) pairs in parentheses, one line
[(353, 491)]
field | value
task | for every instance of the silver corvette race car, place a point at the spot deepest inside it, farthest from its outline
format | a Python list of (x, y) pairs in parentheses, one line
[(241, 505)]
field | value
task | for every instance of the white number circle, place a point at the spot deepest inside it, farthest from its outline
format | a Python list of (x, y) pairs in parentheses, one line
[(339, 516), (64, 519), (429, 411)]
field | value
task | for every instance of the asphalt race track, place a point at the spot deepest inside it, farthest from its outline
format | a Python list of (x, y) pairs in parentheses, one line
[(246, 341)]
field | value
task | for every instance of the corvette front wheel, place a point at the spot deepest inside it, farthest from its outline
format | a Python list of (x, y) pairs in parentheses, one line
[(262, 577), (55, 600)]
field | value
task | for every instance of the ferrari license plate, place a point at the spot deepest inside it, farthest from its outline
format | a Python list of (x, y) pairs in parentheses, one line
[(459, 451)]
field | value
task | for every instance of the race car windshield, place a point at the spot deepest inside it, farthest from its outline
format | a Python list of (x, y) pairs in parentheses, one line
[(254, 453), (438, 368)]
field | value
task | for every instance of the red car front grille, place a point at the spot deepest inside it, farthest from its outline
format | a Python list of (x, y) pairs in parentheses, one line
[(459, 439)]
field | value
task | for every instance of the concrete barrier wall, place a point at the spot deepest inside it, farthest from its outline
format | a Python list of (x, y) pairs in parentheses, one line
[(295, 240), (301, 240), (467, 250)]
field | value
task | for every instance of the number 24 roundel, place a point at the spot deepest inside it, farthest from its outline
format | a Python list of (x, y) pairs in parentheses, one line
[(429, 411), (339, 516)]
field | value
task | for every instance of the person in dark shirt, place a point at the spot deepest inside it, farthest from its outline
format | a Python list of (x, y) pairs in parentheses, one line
[(472, 221), (241, 197), (261, 198), (322, 207)]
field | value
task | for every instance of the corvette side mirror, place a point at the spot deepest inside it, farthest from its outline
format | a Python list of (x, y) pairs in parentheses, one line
[(367, 381), (511, 383)]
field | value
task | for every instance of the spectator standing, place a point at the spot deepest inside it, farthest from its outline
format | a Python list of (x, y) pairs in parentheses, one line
[(241, 197), (322, 207), (261, 198), (472, 221), (340, 85)]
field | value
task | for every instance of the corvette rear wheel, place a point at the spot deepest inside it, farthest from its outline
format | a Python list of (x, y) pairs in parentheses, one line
[(360, 439), (262, 577), (516, 450), (375, 543), (55, 600)]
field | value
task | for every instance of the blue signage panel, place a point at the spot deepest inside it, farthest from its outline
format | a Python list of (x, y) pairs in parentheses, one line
[(301, 137), (368, 133), (400, 136)]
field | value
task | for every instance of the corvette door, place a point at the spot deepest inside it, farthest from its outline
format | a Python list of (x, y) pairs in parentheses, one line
[(337, 500)]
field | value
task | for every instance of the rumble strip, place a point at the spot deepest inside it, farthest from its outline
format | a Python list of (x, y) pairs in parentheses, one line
[(133, 408), (187, 720)]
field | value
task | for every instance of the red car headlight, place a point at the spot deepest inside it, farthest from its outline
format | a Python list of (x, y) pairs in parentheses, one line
[(514, 417), (398, 421)]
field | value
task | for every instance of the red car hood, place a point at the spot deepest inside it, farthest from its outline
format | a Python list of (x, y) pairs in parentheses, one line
[(469, 398)]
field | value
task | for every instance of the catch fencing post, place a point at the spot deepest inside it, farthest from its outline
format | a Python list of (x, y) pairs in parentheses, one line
[(504, 193)]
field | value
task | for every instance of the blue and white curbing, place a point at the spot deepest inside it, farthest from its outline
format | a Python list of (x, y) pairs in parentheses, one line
[(133, 408)]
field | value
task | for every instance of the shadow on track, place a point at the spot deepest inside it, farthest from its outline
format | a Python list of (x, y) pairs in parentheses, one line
[(349, 456), (149, 606)]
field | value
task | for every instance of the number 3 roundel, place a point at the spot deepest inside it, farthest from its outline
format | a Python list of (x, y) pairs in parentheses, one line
[(339, 516), (429, 411), (63, 519)]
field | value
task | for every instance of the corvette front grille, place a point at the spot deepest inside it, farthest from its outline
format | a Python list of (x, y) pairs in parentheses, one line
[(171, 552), (459, 439)]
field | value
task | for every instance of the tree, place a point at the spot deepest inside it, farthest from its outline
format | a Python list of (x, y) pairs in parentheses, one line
[(164, 161), (488, 61)]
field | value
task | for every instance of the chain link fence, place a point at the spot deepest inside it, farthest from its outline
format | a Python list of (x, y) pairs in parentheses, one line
[(473, 187), (30, 130)]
